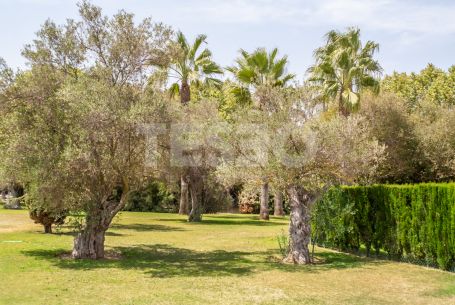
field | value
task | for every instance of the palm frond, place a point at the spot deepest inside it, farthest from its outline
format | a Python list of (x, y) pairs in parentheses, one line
[(195, 47), (174, 90)]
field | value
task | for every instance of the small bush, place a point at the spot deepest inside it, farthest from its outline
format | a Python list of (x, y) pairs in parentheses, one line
[(283, 243), (249, 202), (154, 197)]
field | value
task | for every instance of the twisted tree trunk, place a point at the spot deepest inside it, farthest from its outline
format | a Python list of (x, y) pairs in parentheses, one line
[(300, 226), (196, 188), (89, 243), (196, 206), (278, 208), (184, 195), (264, 202)]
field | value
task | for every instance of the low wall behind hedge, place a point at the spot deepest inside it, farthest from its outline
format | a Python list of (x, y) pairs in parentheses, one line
[(411, 222)]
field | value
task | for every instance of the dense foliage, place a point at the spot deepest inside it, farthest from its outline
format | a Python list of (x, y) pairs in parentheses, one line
[(412, 222), (431, 84), (154, 197)]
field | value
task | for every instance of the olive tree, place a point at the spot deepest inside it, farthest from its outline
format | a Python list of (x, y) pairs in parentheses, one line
[(436, 140), (303, 152), (76, 115)]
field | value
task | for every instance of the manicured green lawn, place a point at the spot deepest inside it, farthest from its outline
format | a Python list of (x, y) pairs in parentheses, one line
[(227, 259)]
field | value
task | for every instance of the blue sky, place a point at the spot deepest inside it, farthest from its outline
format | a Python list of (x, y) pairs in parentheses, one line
[(411, 33)]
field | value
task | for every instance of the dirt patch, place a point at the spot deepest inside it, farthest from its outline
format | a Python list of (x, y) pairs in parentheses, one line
[(17, 221)]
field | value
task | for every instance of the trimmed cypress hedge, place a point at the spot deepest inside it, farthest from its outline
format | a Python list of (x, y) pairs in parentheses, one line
[(408, 222)]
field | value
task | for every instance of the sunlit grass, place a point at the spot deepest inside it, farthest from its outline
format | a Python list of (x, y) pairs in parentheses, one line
[(227, 259)]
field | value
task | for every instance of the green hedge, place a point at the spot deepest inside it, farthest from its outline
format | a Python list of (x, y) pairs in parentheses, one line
[(408, 222)]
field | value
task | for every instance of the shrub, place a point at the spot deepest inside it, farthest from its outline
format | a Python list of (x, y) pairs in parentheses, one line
[(154, 197), (409, 222), (248, 202), (283, 243), (215, 197)]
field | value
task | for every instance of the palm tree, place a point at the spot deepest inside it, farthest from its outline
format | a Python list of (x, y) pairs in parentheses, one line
[(192, 67), (260, 68), (255, 70), (344, 67)]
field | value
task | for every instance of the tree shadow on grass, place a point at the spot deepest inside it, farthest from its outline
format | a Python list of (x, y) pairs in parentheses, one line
[(165, 261), (161, 261), (232, 220), (325, 261), (73, 233), (140, 227), (336, 260)]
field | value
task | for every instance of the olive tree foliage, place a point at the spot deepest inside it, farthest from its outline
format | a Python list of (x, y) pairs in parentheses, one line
[(74, 131), (302, 151), (6, 75), (428, 97), (437, 140), (394, 126)]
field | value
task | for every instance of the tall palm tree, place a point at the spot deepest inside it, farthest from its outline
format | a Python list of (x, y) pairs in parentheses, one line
[(344, 67), (258, 69), (192, 67)]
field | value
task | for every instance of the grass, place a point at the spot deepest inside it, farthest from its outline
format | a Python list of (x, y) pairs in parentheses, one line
[(227, 259)]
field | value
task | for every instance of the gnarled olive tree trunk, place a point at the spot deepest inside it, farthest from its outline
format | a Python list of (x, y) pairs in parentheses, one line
[(184, 195), (300, 227), (196, 205), (89, 243), (264, 202), (278, 207)]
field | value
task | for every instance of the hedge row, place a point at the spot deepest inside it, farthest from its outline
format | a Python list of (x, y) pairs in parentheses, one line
[(408, 222)]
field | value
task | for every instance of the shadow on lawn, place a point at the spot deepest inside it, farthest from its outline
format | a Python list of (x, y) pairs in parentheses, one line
[(140, 227), (73, 233), (164, 261), (160, 261), (325, 261), (232, 220)]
